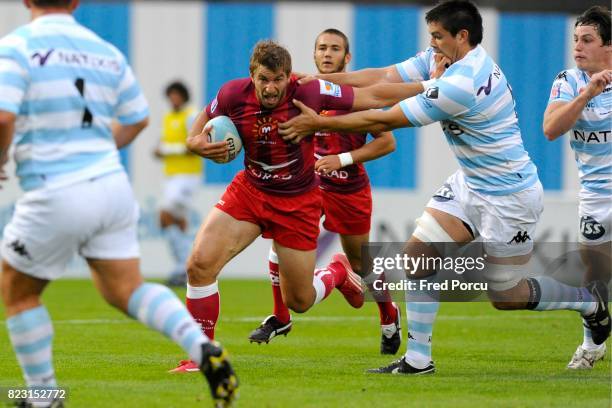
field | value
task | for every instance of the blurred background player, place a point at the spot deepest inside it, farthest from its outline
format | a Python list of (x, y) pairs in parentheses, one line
[(277, 194), (581, 103), (183, 175), (496, 192), (61, 88), (346, 198)]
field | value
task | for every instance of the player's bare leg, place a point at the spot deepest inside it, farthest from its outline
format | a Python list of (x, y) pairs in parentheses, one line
[(303, 287), (28, 322), (220, 238), (422, 308), (120, 283)]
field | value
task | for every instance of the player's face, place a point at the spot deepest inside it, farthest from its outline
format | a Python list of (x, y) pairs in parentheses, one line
[(176, 100), (590, 53), (270, 86), (330, 54), (443, 42)]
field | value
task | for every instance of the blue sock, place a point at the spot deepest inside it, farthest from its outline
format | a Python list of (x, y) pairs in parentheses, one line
[(550, 294), (421, 312), (158, 307), (31, 334), (180, 245)]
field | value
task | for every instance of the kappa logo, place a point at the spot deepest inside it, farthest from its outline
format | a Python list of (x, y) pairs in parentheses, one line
[(432, 93), (590, 228), (444, 193), (520, 237), (562, 75), (20, 249)]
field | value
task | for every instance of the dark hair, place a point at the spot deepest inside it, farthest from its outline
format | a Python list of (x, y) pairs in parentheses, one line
[(51, 3), (599, 17), (271, 55), (340, 34), (179, 87), (457, 15)]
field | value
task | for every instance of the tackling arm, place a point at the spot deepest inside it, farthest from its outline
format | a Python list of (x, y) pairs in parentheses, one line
[(363, 77), (370, 121)]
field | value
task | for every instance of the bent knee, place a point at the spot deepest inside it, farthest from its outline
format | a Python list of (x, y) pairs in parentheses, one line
[(299, 303), (201, 269)]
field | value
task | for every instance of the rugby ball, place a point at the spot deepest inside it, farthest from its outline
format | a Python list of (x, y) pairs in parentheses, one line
[(223, 129)]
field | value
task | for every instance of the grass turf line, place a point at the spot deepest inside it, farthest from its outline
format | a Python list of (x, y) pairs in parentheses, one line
[(483, 357)]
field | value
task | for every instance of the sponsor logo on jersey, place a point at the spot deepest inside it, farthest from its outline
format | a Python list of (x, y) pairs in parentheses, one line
[(264, 129), (590, 228), (555, 92), (42, 57), (331, 89), (432, 93), (602, 136)]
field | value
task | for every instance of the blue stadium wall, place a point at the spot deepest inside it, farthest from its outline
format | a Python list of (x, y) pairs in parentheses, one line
[(534, 49)]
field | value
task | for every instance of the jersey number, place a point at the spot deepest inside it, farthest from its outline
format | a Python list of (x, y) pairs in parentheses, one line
[(87, 121)]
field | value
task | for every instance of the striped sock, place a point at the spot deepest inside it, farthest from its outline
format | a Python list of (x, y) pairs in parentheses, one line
[(31, 334), (158, 307), (587, 341), (549, 294), (281, 311), (421, 312)]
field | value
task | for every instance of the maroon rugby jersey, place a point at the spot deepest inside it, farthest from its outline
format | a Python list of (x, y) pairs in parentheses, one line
[(347, 179), (271, 164)]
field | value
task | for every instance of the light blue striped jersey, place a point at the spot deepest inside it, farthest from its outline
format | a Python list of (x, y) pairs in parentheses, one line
[(474, 104), (66, 85), (591, 136)]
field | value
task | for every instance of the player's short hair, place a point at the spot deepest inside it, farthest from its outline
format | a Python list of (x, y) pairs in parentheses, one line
[(457, 15), (340, 34), (599, 17), (51, 3), (271, 55), (178, 86)]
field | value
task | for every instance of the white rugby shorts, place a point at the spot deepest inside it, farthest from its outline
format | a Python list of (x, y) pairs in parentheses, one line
[(96, 218), (179, 193)]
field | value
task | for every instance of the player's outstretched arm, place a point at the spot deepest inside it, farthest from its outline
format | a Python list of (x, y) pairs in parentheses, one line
[(198, 140), (384, 95), (559, 117), (371, 121), (383, 144), (361, 78)]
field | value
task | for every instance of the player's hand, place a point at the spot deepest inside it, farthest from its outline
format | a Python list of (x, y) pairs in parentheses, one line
[(328, 164), (200, 145), (303, 79), (442, 63), (157, 153), (598, 83), (300, 126)]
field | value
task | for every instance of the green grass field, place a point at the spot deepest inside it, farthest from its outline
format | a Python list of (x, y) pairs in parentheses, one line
[(484, 358)]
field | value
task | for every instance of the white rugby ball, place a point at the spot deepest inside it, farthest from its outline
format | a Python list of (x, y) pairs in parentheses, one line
[(224, 129)]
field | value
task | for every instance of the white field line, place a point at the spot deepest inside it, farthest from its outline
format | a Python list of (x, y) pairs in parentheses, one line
[(321, 319)]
